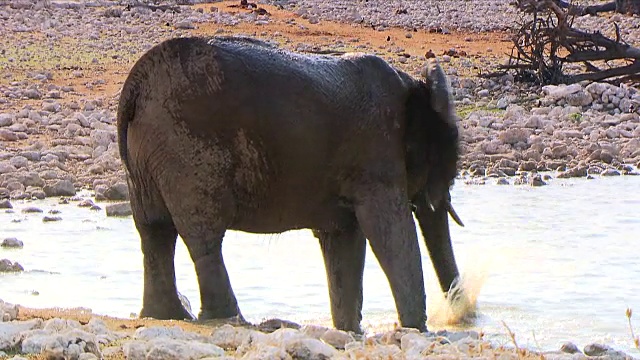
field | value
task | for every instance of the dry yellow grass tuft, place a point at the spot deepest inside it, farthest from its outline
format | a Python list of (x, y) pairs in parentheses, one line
[(636, 339)]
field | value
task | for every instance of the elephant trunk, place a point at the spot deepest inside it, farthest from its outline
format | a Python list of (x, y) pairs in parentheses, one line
[(434, 224)]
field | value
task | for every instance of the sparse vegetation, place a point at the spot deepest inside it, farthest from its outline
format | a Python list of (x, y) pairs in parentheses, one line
[(576, 117), (464, 111), (636, 339)]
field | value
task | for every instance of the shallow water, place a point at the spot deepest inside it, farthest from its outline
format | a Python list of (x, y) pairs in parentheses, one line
[(557, 263)]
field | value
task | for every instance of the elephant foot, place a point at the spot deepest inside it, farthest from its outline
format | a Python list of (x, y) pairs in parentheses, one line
[(175, 312), (456, 293), (462, 309), (348, 326)]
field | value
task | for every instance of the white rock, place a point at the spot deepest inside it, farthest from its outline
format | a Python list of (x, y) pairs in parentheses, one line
[(597, 88), (35, 116), (337, 338), (612, 133), (8, 312), (314, 331), (382, 352), (615, 100), (267, 352), (625, 105), (455, 336), (97, 326), (102, 137), (174, 332), (230, 337), (135, 349), (150, 333), (73, 351), (484, 121), (256, 339), (284, 335), (185, 25), (307, 348), (59, 344), (503, 102), (33, 341), (533, 122), (6, 119), (178, 349), (514, 112), (59, 325), (415, 343), (541, 111), (87, 356), (8, 135), (19, 161), (571, 133), (10, 331), (561, 91), (514, 135), (580, 98), (556, 112)]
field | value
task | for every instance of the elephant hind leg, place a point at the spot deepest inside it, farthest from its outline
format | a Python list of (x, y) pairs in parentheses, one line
[(204, 242), (344, 254), (158, 240)]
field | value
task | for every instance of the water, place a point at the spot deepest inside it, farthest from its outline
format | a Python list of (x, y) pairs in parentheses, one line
[(557, 263)]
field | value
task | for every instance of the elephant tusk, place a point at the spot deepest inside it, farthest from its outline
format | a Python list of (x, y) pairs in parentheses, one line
[(453, 214), (429, 202)]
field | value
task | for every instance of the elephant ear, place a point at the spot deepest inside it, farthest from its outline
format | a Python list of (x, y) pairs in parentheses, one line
[(441, 100), (435, 117)]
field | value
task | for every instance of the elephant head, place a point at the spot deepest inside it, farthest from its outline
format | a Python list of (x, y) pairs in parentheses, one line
[(432, 163)]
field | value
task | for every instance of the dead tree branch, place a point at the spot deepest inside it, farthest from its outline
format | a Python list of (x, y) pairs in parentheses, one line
[(545, 41)]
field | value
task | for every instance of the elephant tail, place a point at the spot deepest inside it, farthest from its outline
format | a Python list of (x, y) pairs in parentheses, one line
[(126, 113)]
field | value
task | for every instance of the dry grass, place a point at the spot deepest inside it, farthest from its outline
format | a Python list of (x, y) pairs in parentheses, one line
[(634, 338)]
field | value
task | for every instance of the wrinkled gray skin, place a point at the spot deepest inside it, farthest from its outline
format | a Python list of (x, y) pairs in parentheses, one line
[(231, 133)]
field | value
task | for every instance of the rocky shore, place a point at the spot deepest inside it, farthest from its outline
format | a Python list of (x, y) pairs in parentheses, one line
[(80, 335)]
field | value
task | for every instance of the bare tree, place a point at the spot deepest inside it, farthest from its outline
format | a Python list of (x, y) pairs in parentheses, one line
[(546, 41)]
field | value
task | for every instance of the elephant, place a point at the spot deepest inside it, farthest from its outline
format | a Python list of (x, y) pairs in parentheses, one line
[(233, 133)]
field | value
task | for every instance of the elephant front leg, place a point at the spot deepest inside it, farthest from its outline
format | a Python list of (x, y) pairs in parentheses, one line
[(344, 254), (385, 218), (160, 298)]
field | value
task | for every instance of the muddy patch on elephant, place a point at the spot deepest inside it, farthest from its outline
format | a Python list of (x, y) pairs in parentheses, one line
[(250, 164)]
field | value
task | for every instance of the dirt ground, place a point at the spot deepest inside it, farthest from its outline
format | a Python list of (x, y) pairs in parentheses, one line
[(481, 48)]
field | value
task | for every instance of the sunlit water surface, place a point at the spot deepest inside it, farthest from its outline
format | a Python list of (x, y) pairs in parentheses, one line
[(557, 263)]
